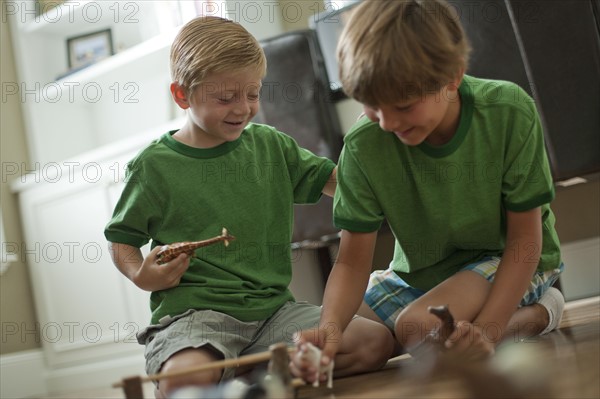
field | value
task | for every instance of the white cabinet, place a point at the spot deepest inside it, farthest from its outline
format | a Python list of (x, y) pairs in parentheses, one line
[(82, 127), (88, 312), (113, 98), (84, 305), (68, 113)]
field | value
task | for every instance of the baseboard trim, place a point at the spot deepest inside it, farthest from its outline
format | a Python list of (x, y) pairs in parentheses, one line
[(23, 374), (97, 375)]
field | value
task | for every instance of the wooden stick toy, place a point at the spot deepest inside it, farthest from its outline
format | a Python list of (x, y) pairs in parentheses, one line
[(278, 366)]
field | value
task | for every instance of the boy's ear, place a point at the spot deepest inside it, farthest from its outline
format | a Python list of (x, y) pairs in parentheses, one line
[(457, 79), (179, 96), (459, 76)]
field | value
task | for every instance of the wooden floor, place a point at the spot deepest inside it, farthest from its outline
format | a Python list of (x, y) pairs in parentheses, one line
[(562, 364)]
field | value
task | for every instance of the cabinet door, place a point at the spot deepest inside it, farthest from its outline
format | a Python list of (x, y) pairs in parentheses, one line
[(85, 307)]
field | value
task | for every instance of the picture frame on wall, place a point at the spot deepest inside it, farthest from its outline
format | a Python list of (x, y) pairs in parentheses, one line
[(85, 50)]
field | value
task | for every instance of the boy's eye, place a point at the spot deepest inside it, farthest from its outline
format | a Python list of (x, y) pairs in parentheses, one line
[(225, 99), (253, 97), (403, 108)]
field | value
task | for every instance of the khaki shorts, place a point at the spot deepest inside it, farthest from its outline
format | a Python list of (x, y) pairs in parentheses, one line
[(225, 334)]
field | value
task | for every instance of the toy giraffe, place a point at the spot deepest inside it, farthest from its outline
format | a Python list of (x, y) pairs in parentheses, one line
[(171, 251)]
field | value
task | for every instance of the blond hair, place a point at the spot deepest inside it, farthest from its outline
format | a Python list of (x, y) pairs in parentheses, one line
[(211, 44), (393, 50)]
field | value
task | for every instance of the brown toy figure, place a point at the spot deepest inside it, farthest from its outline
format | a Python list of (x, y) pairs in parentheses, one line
[(170, 252), (433, 344), (440, 334)]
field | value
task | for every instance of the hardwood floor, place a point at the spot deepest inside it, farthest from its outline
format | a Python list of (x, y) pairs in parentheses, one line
[(562, 364), (107, 393)]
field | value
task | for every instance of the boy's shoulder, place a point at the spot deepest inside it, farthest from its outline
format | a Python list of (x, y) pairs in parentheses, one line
[(265, 131), (268, 135), (151, 148), (497, 95), (364, 129)]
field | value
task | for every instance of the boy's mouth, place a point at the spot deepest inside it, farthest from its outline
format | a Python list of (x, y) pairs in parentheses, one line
[(404, 133)]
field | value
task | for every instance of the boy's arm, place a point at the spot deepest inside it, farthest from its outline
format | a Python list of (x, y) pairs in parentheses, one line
[(345, 287), (331, 184), (146, 273), (519, 262)]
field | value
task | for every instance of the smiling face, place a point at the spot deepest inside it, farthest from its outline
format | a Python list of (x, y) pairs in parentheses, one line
[(219, 108), (432, 118)]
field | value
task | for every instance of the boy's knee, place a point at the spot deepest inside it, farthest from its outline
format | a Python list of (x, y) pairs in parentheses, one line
[(185, 360), (169, 385), (377, 346), (411, 327), (385, 345)]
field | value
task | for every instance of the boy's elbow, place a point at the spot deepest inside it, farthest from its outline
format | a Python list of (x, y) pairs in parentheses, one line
[(331, 185)]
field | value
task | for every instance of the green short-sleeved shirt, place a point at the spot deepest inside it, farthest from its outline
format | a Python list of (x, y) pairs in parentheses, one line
[(446, 204), (177, 193)]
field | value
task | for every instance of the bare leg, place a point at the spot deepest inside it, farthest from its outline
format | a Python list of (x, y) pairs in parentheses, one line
[(527, 321), (186, 359), (366, 345), (365, 311), (464, 293)]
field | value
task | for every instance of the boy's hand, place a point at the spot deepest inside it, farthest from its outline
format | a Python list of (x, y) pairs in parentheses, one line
[(154, 277), (300, 365), (469, 342)]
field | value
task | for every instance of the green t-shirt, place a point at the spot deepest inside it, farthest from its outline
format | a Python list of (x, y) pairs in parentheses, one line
[(177, 193), (446, 204)]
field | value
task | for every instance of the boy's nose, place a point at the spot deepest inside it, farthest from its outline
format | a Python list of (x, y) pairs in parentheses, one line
[(242, 107), (388, 121)]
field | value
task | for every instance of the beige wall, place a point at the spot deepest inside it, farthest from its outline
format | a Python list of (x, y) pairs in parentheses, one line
[(577, 212), (296, 13), (17, 313)]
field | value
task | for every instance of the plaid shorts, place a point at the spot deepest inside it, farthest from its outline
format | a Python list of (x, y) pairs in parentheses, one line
[(387, 294)]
